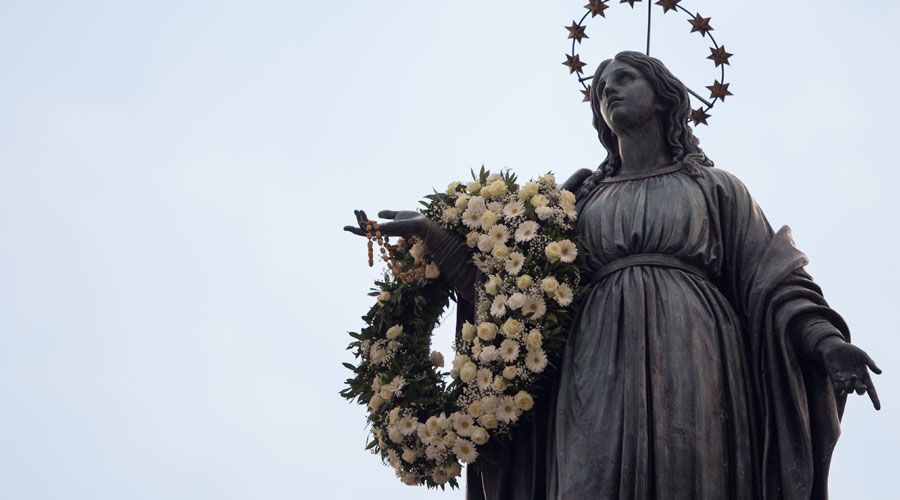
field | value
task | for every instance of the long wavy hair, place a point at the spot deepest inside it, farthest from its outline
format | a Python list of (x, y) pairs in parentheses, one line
[(673, 95)]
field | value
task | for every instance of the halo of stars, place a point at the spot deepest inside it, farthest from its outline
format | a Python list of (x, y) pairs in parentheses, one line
[(718, 91)]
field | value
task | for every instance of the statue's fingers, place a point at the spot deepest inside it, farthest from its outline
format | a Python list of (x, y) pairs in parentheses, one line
[(860, 387), (873, 394), (840, 385), (387, 214), (361, 218), (355, 230), (872, 365)]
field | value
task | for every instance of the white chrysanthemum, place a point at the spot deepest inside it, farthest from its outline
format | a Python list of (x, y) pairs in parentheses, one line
[(499, 234), (477, 203), (485, 243), (465, 451), (514, 209), (440, 476), (449, 215), (514, 263), (527, 231), (473, 187), (507, 411), (563, 295), (495, 206), (566, 197), (394, 434), (408, 426), (462, 423), (493, 178), (534, 307), (408, 478), (393, 459), (509, 350), (538, 201), (536, 360), (567, 251), (498, 307), (516, 301), (433, 452), (489, 354), (409, 455), (396, 385), (548, 179), (484, 378), (424, 433), (481, 262), (471, 218), (544, 213)]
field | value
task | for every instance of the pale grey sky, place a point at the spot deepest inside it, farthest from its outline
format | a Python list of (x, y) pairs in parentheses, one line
[(175, 289)]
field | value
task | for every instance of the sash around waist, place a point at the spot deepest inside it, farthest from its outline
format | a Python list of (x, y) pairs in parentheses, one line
[(649, 259)]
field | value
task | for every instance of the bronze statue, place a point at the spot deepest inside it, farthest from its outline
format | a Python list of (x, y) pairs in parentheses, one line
[(705, 362)]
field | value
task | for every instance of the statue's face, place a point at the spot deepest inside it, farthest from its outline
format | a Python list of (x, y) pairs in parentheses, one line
[(627, 100)]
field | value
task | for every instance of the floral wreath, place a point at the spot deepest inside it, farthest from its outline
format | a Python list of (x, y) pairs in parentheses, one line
[(524, 245)]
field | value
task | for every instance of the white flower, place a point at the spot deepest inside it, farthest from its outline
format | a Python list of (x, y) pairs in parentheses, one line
[(377, 354), (472, 218), (493, 284), (509, 350), (534, 339), (408, 478), (493, 178), (433, 452), (437, 359), (499, 384), (510, 372), (512, 328), (497, 188), (396, 385), (451, 188), (498, 307), (528, 190), (488, 421), (500, 251), (534, 307), (462, 423), (514, 263), (409, 455), (489, 404), (523, 401), (477, 203), (516, 301), (472, 239), (548, 179), (440, 476), (488, 219), (394, 434), (394, 332), (484, 378), (527, 231), (460, 360), (507, 411), (567, 251), (424, 432), (536, 360), (481, 262), (489, 354), (563, 295), (487, 331), (549, 285), (499, 234), (495, 206), (479, 435), (473, 187), (544, 213), (468, 332), (465, 451), (393, 459), (432, 271), (385, 392), (467, 372), (524, 281), (462, 202), (485, 243), (538, 201), (566, 197), (417, 251), (552, 251), (375, 401), (514, 208), (449, 215)]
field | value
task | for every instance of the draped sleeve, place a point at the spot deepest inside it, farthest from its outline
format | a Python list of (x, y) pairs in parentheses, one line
[(784, 314)]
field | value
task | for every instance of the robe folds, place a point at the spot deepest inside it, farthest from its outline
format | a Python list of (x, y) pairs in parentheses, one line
[(672, 385)]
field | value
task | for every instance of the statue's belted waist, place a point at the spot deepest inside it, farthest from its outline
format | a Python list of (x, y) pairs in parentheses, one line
[(649, 259)]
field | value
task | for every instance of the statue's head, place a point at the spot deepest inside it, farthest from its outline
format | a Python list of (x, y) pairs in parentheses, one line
[(631, 89)]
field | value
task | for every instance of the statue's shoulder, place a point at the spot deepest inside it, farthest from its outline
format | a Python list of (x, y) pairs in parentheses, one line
[(725, 182), (574, 182)]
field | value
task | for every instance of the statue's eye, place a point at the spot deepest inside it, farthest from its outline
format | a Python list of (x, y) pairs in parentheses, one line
[(626, 78)]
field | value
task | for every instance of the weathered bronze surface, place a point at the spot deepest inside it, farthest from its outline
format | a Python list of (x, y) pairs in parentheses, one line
[(705, 362)]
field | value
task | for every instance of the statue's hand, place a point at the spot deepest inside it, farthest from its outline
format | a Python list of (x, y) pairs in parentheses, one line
[(405, 223), (848, 366)]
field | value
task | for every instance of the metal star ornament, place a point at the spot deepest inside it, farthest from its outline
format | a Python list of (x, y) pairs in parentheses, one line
[(587, 93), (719, 90), (701, 24), (574, 63), (668, 5), (630, 2), (597, 7), (699, 116), (720, 56), (576, 32)]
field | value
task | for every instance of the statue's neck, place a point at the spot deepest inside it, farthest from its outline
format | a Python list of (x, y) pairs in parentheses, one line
[(644, 148)]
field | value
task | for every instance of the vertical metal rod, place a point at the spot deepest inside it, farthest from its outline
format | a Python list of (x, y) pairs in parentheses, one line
[(649, 19)]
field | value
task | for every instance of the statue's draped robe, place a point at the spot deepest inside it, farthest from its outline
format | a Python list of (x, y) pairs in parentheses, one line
[(671, 385)]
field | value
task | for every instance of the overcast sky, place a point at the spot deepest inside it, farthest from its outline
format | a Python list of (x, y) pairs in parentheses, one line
[(175, 290)]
